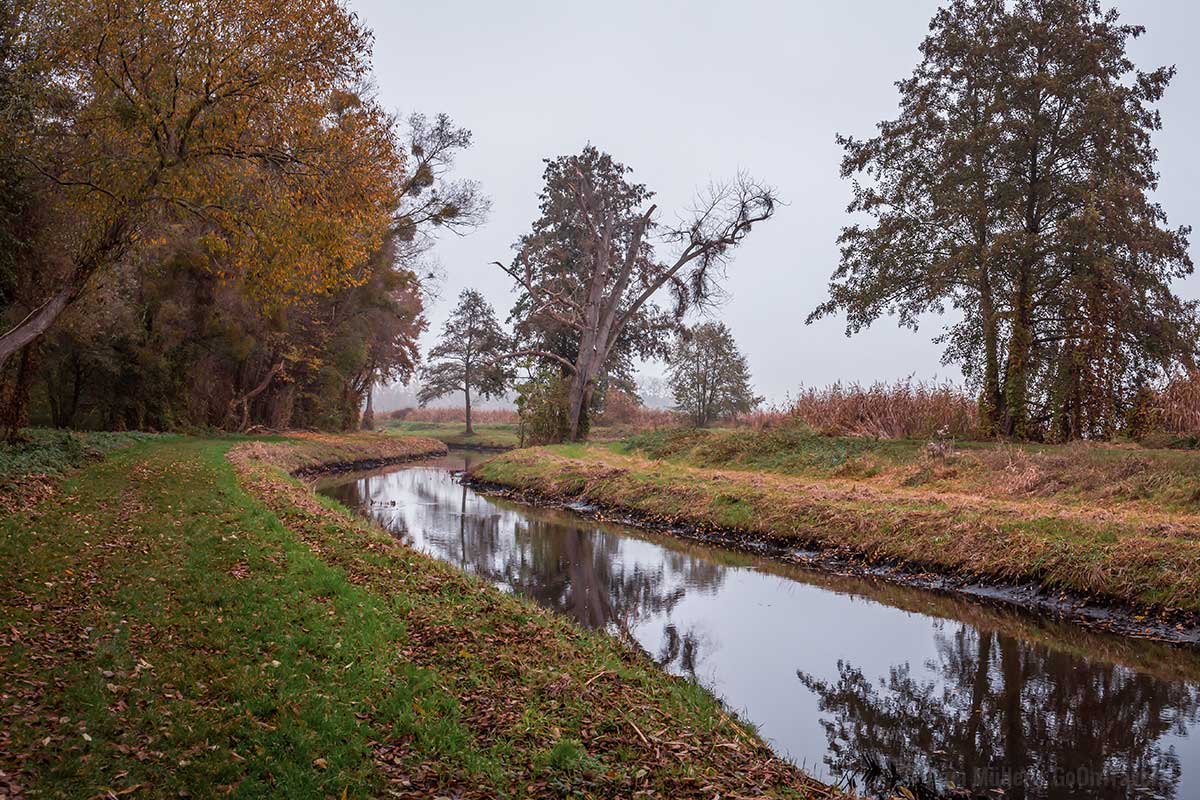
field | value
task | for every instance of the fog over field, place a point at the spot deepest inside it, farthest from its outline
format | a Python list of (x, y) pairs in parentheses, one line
[(688, 91)]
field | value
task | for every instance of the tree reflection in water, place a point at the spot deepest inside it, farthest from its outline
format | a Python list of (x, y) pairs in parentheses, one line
[(565, 563), (993, 713), (1036, 709)]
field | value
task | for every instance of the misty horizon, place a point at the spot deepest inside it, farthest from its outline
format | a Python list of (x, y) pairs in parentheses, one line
[(696, 92)]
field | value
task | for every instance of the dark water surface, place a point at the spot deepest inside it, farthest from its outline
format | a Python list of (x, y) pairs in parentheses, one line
[(838, 673)]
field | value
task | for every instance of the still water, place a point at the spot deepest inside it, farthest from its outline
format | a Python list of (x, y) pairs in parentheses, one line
[(845, 676)]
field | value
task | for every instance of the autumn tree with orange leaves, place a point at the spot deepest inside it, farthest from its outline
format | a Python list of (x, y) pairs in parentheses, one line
[(239, 120)]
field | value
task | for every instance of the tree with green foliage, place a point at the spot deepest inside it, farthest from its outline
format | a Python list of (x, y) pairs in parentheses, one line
[(1014, 186), (588, 271), (708, 375), (465, 357), (542, 407)]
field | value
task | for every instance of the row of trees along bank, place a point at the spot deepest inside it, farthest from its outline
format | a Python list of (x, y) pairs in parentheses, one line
[(207, 219)]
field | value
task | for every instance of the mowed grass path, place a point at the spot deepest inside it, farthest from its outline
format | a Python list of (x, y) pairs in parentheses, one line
[(165, 633)]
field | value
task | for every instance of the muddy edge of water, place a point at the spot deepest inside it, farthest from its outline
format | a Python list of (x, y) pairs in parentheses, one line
[(1177, 628)]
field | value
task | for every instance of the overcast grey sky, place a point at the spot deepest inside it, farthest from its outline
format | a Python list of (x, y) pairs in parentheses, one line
[(688, 91)]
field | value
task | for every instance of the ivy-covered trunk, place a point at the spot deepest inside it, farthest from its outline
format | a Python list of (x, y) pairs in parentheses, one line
[(579, 399)]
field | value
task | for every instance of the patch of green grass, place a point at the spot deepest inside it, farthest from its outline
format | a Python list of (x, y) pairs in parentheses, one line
[(791, 449), (50, 451), (260, 657), (731, 511), (567, 755), (166, 631)]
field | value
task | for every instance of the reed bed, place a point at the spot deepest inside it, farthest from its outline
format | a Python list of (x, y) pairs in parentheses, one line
[(1177, 406), (904, 409)]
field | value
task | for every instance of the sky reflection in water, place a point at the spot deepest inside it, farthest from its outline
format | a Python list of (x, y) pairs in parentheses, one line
[(835, 671)]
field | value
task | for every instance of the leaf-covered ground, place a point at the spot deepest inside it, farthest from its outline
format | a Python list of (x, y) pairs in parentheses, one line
[(174, 624), (30, 468)]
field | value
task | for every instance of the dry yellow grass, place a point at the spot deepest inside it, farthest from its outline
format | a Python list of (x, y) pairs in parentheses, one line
[(1127, 553)]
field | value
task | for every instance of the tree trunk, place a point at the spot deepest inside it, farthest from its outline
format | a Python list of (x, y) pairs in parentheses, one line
[(368, 417), (599, 316), (991, 399), (583, 383), (575, 404), (14, 413), (28, 330), (244, 400), (53, 400), (992, 407), (1016, 371), (76, 391), (467, 397), (64, 404), (104, 251), (581, 386), (1020, 346)]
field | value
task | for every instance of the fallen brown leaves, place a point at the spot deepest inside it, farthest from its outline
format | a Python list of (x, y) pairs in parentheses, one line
[(503, 660), (25, 492), (62, 632)]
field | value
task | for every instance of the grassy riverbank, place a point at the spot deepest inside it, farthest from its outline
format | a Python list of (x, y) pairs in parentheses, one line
[(1114, 523), (488, 435), (183, 618)]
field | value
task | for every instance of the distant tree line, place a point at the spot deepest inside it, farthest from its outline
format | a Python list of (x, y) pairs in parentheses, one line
[(207, 219)]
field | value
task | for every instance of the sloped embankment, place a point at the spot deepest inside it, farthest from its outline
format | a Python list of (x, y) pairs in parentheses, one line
[(540, 705), (1132, 571)]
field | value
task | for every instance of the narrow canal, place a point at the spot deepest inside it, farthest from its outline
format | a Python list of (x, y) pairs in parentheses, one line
[(848, 677)]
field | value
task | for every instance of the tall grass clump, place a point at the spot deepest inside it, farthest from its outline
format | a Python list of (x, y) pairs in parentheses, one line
[(626, 411), (905, 409), (1177, 406)]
